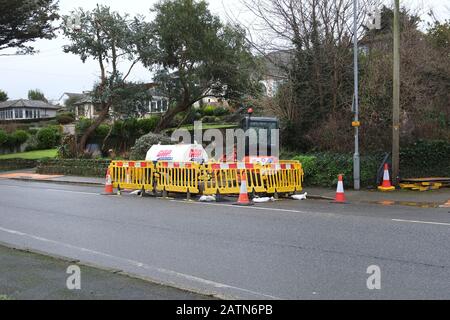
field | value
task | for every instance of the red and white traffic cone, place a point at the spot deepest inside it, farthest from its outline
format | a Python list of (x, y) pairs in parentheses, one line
[(108, 184), (386, 185), (243, 194), (340, 195)]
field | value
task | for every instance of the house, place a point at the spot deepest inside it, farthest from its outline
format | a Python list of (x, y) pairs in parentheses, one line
[(83, 107), (16, 110), (212, 100), (159, 103), (275, 70)]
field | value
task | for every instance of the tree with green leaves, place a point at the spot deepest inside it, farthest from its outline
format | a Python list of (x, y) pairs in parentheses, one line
[(24, 21), (110, 39), (196, 56), (36, 94), (3, 96)]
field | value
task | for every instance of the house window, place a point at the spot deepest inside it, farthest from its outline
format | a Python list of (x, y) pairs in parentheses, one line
[(164, 105), (154, 107), (17, 114)]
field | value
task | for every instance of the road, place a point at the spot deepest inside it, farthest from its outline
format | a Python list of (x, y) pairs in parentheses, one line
[(284, 250)]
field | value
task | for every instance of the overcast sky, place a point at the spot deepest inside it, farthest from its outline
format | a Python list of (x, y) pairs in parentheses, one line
[(55, 72)]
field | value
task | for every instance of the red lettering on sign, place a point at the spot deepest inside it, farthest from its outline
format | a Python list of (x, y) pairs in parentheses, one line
[(195, 153), (164, 153)]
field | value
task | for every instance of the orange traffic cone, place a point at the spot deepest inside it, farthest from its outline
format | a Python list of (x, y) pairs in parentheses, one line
[(108, 184), (340, 196), (243, 194), (386, 185)]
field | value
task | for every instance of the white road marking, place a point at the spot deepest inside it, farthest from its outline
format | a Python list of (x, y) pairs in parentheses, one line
[(422, 222), (244, 207), (143, 265), (69, 191), (54, 190)]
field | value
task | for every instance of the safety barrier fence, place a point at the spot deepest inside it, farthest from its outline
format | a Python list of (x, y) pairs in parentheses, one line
[(208, 179)]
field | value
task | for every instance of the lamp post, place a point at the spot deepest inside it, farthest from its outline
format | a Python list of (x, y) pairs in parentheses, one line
[(356, 157)]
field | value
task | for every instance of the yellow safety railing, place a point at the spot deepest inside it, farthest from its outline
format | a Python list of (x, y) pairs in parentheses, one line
[(283, 177), (220, 178), (134, 175), (178, 177), (224, 178), (209, 179)]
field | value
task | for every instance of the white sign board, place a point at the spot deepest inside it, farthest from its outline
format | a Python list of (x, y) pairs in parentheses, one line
[(177, 153)]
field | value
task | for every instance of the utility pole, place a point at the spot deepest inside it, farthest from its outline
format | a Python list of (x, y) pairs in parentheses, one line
[(356, 158), (396, 97)]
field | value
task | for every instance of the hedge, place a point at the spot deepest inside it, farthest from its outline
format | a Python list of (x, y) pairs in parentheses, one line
[(422, 159), (322, 169), (17, 164), (73, 167), (425, 159)]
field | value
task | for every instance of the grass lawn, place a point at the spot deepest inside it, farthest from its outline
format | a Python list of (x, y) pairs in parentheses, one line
[(32, 155)]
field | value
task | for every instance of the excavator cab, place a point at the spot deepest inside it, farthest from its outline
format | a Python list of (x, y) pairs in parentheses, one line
[(261, 125)]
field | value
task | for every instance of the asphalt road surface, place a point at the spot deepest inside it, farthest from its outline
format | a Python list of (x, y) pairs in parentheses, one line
[(283, 250)]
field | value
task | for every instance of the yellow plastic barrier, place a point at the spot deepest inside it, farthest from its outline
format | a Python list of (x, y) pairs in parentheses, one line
[(133, 175), (178, 177), (211, 178), (283, 177), (224, 178), (220, 178)]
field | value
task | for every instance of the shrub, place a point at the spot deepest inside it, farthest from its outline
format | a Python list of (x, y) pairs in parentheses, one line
[(20, 137), (32, 131), (148, 125), (65, 117), (82, 125), (48, 137), (144, 143), (32, 143), (208, 110), (209, 119), (3, 138), (221, 111), (102, 131)]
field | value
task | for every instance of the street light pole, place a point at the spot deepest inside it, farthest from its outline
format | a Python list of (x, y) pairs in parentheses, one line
[(356, 157), (396, 97)]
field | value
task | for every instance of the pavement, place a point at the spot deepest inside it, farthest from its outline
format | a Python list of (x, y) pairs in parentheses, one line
[(281, 250), (28, 276)]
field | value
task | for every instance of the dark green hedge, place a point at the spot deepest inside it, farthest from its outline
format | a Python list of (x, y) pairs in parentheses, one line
[(322, 169), (74, 167), (425, 159), (17, 164), (422, 159)]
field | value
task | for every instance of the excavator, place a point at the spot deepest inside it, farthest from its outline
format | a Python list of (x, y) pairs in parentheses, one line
[(258, 124)]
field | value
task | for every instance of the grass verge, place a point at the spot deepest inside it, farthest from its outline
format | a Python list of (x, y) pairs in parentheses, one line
[(31, 155)]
